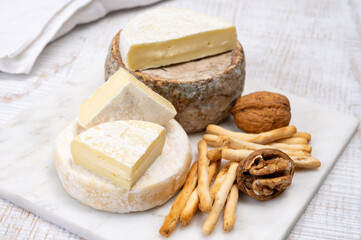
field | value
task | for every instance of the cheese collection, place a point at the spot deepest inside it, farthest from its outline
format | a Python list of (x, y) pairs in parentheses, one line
[(120, 151), (166, 36), (125, 152)]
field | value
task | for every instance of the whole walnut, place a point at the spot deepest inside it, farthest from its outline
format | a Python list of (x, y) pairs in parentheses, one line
[(261, 112)]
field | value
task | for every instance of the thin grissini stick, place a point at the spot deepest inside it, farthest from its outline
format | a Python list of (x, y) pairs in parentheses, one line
[(190, 208), (192, 203), (260, 138), (273, 135), (215, 154), (306, 162), (220, 199), (219, 179), (293, 140), (213, 170), (216, 141), (212, 140), (238, 155), (205, 202), (171, 220), (293, 147), (218, 130), (239, 144), (229, 217), (303, 135)]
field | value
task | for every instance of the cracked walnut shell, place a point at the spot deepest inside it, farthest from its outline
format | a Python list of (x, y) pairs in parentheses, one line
[(265, 174), (261, 112)]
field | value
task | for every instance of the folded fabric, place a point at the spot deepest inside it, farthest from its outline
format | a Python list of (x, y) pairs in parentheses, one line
[(31, 25)]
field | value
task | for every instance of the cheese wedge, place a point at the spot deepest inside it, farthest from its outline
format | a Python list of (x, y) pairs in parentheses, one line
[(121, 151), (123, 97), (166, 36), (159, 182)]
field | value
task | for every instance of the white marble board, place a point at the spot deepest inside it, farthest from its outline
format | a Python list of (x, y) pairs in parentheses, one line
[(28, 177)]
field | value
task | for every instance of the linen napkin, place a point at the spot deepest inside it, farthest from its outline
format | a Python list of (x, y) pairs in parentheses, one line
[(28, 26)]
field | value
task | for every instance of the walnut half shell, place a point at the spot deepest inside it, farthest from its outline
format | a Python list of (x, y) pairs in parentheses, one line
[(265, 174)]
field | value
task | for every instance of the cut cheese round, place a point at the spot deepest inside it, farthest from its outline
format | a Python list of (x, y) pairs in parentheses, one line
[(202, 91), (159, 182), (164, 36)]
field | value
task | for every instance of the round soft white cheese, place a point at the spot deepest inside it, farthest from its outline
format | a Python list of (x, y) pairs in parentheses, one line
[(159, 182)]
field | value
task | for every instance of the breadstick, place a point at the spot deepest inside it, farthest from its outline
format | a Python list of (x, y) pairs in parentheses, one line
[(205, 202), (303, 135), (218, 130), (220, 199), (192, 203), (190, 208), (218, 182), (213, 170), (273, 135), (212, 140), (261, 138), (229, 217), (292, 147), (171, 220), (306, 162), (239, 144), (236, 155), (293, 140), (217, 141), (215, 154)]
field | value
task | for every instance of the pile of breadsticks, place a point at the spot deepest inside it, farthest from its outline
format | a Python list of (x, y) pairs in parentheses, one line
[(236, 147)]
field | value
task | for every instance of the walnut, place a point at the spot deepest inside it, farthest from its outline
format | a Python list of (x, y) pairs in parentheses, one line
[(265, 174), (261, 112)]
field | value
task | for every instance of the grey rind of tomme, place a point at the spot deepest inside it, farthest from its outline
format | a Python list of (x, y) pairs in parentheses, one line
[(199, 102)]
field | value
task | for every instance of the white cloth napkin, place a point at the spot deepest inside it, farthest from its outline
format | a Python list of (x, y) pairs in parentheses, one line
[(26, 27)]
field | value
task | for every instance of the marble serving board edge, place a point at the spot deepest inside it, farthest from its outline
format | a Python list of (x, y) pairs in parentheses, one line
[(19, 200), (49, 120)]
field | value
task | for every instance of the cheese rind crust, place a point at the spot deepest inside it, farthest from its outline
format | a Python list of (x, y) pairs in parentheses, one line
[(159, 182), (165, 36)]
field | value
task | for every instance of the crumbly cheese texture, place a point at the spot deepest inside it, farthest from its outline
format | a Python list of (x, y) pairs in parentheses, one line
[(166, 36), (158, 183), (121, 151), (123, 97)]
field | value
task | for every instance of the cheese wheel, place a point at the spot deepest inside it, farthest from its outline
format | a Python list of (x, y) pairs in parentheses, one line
[(159, 183), (203, 91)]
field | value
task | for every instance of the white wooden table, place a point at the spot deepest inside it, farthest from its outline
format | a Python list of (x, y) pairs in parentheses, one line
[(309, 48)]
